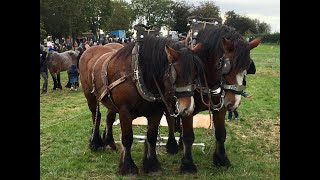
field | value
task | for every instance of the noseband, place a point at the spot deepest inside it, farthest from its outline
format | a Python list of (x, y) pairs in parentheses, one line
[(183, 91)]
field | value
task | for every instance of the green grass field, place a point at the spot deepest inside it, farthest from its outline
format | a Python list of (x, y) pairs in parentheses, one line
[(253, 145)]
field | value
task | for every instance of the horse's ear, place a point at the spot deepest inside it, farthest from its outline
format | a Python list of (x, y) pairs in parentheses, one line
[(197, 48), (254, 43), (227, 44), (172, 54), (252, 68)]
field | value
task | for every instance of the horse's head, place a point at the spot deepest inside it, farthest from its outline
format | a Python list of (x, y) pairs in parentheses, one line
[(179, 80), (236, 63), (226, 56)]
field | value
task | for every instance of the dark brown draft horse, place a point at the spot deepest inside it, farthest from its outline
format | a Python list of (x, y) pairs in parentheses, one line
[(140, 79), (226, 56), (58, 62)]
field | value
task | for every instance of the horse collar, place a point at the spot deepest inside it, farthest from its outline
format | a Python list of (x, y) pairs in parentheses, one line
[(137, 77)]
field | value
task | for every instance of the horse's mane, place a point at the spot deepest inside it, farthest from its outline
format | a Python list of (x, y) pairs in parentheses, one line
[(211, 38), (153, 58)]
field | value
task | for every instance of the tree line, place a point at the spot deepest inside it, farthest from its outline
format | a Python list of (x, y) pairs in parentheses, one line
[(64, 18)]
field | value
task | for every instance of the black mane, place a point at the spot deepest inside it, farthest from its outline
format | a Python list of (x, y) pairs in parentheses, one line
[(153, 58), (211, 38)]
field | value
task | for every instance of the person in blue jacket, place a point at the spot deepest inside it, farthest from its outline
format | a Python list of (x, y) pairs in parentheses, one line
[(74, 77)]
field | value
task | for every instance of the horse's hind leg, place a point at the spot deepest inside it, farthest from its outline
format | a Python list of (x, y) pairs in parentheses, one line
[(95, 140), (187, 165), (107, 134), (219, 157), (126, 165), (150, 161), (68, 85)]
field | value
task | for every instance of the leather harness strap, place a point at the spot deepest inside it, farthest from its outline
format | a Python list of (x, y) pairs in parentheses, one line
[(92, 74), (104, 72), (105, 89)]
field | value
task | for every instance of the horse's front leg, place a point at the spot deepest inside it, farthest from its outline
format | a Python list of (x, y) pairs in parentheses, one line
[(187, 165), (54, 79), (220, 157), (107, 134), (126, 165), (59, 81), (171, 146), (150, 161)]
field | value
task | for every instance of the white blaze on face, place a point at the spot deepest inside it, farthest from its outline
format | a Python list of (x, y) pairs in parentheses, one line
[(239, 78), (189, 109)]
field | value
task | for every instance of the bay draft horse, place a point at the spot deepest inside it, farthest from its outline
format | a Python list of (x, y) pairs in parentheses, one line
[(226, 57), (59, 62), (140, 79)]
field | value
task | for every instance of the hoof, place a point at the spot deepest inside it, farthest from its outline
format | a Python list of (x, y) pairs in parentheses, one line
[(95, 143), (172, 146), (151, 166), (128, 169), (188, 168), (109, 141), (221, 161)]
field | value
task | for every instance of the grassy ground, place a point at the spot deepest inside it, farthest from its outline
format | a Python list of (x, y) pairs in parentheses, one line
[(253, 145)]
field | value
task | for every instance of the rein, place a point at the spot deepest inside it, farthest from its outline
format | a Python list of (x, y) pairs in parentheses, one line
[(171, 113)]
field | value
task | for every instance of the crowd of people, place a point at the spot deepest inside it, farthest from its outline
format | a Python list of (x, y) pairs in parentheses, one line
[(79, 46)]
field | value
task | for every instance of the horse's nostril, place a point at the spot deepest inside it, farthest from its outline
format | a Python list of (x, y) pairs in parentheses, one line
[(185, 111)]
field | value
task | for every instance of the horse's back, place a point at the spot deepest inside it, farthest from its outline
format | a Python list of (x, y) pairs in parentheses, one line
[(62, 61), (91, 55), (87, 63), (115, 46)]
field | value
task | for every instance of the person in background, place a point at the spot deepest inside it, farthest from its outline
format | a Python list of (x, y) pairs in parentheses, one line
[(74, 77), (235, 112), (86, 46), (75, 45), (44, 69)]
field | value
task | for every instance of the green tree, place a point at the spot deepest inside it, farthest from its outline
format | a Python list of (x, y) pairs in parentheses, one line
[(241, 23), (154, 12), (121, 16), (208, 9), (60, 17), (43, 32), (246, 25), (180, 14), (96, 14), (264, 28)]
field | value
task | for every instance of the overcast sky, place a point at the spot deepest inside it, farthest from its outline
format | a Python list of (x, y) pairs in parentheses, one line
[(265, 10)]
